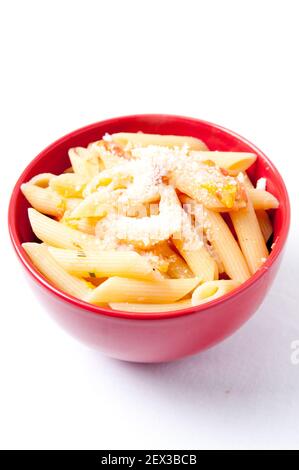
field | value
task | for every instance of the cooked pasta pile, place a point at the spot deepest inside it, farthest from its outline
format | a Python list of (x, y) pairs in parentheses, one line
[(149, 223)]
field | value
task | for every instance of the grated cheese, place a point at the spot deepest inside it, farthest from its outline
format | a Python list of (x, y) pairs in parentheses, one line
[(142, 181)]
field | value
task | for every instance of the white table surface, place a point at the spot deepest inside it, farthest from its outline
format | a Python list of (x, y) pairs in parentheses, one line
[(67, 64)]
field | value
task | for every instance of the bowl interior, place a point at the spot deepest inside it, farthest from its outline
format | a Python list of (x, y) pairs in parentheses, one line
[(55, 159)]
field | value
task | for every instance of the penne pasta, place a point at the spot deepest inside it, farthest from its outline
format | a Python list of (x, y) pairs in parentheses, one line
[(265, 224), (157, 260), (192, 249), (42, 180), (57, 234), (250, 237), (262, 215), (137, 223), (70, 204), (262, 199), (149, 308), (176, 267), (197, 211), (104, 263), (110, 179), (225, 245), (106, 152), (119, 289), (70, 185), (212, 290), (85, 162), (139, 139), (231, 161), (111, 160), (214, 190), (46, 264), (199, 261), (44, 200), (246, 180), (85, 224), (96, 204)]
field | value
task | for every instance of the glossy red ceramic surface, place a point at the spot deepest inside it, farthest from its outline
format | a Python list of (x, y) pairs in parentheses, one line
[(153, 337)]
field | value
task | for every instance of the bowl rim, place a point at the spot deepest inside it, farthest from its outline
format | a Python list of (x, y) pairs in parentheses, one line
[(93, 309)]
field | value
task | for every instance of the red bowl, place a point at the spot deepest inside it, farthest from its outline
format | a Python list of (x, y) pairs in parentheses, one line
[(151, 337)]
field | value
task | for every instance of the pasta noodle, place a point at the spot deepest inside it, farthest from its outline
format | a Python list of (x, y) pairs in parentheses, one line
[(68, 184), (121, 289), (176, 267), (199, 261), (42, 180), (226, 246), (212, 290), (104, 263), (144, 308), (85, 162), (192, 249), (149, 223), (43, 200), (57, 234), (262, 199), (231, 161), (141, 140), (250, 237), (265, 223), (47, 265), (262, 215)]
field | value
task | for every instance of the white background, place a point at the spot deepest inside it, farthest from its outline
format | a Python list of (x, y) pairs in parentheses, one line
[(65, 64)]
